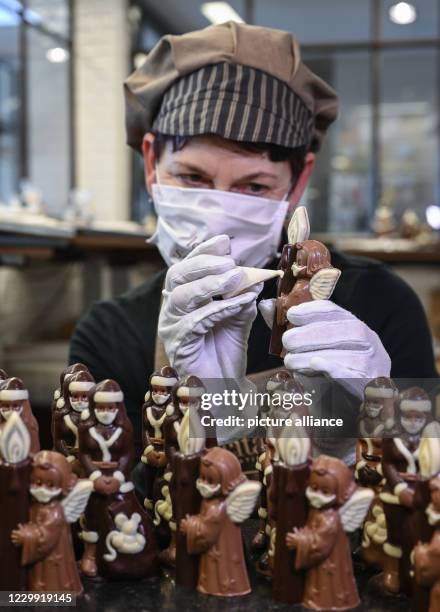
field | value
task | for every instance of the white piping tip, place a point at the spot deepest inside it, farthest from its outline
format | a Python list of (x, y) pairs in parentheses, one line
[(251, 277)]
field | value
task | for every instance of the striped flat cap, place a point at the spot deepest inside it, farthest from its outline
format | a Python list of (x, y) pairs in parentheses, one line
[(218, 81)]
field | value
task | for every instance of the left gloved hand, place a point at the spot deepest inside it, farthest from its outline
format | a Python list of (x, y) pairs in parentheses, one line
[(326, 338)]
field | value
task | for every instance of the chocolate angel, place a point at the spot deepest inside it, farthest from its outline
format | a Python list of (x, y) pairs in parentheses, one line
[(214, 533), (67, 416), (14, 397), (106, 455), (337, 507), (308, 275), (15, 472), (58, 499)]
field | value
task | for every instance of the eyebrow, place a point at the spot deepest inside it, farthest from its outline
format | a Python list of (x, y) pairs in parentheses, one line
[(189, 167)]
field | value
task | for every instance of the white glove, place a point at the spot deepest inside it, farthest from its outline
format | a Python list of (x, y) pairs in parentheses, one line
[(326, 338), (202, 336)]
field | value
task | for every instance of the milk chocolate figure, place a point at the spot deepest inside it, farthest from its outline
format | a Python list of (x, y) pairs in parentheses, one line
[(15, 398), (427, 556), (214, 534), (58, 499), (117, 533), (154, 412), (288, 509), (259, 542), (71, 369), (400, 465), (67, 416), (185, 466), (15, 471), (308, 275), (322, 548)]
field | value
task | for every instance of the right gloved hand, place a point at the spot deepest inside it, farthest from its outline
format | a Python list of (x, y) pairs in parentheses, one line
[(202, 336)]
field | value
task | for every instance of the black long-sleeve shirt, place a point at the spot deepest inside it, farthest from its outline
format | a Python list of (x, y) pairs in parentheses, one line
[(116, 338)]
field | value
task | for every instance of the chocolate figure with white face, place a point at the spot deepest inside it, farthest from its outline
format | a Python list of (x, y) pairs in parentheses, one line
[(73, 403), (106, 455), (14, 398), (158, 403)]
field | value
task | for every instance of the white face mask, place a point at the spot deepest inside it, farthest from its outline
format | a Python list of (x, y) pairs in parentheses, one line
[(187, 217), (206, 490), (373, 410), (159, 398), (43, 494), (318, 499), (106, 417), (79, 405), (412, 426)]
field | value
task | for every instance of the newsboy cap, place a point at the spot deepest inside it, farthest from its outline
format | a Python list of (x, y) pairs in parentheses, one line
[(242, 82)]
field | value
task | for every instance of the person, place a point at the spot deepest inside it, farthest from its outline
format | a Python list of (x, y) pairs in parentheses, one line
[(229, 137)]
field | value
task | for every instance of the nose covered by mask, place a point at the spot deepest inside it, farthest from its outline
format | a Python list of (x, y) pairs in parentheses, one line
[(188, 217)]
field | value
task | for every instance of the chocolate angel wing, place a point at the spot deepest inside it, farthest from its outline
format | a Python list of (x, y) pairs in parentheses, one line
[(299, 226), (191, 435), (354, 510), (242, 500), (75, 503), (429, 451), (323, 283)]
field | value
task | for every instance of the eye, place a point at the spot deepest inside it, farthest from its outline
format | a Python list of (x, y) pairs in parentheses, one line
[(192, 179)]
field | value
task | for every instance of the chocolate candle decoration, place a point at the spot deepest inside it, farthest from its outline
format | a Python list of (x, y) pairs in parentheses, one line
[(154, 412), (400, 466), (307, 275), (376, 419), (184, 493), (58, 499), (67, 416), (15, 470), (118, 534), (337, 507), (288, 509), (15, 398), (427, 555), (214, 533)]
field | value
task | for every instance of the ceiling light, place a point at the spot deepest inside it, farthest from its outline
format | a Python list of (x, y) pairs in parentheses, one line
[(219, 12), (402, 13), (57, 55), (433, 216)]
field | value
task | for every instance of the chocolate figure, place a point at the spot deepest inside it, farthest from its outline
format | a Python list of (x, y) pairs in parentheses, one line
[(288, 509), (71, 369), (15, 471), (58, 499), (117, 533), (308, 275), (214, 534), (322, 547), (427, 556), (15, 398), (67, 416), (154, 412)]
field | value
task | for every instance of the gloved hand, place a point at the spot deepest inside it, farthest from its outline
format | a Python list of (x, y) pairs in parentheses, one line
[(326, 338), (202, 336)]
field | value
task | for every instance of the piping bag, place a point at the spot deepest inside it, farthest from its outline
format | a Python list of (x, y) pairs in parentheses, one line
[(252, 276)]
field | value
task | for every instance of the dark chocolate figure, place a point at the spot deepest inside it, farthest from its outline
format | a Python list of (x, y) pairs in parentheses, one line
[(14, 397), (71, 369), (58, 499)]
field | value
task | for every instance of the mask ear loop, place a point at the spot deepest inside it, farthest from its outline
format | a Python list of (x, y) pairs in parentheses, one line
[(156, 168)]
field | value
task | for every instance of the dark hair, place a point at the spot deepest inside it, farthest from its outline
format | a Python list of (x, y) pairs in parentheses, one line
[(277, 153)]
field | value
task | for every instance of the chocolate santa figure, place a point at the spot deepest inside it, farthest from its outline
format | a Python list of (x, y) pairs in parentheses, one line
[(400, 466), (264, 463), (67, 416), (427, 556), (71, 369), (337, 506), (117, 533), (14, 397), (15, 471), (288, 509), (308, 275), (376, 420), (214, 533), (58, 499), (186, 499), (154, 412)]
